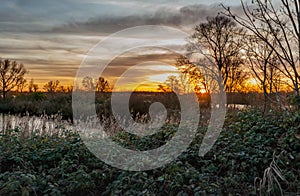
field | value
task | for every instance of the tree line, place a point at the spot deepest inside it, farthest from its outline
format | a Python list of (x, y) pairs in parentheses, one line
[(12, 76)]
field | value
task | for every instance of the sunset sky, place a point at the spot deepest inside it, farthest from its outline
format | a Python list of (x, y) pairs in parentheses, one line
[(52, 37)]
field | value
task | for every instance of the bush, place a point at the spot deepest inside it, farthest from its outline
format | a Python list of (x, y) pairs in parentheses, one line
[(294, 100), (38, 103), (62, 165)]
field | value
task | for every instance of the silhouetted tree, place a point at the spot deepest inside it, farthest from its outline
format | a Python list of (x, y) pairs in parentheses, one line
[(69, 89), (196, 79), (51, 86), (280, 20), (163, 88), (11, 75), (88, 83), (179, 84), (102, 85), (35, 87), (31, 86), (173, 83), (21, 86), (263, 61), (61, 89), (221, 40)]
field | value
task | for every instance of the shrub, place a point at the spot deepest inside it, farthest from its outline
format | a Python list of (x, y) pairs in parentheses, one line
[(62, 165)]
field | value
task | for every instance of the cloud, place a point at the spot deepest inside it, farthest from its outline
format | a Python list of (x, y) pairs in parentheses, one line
[(52, 37), (130, 70), (184, 17), (121, 64)]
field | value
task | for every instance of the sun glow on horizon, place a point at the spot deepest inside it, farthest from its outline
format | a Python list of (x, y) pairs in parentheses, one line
[(154, 74), (253, 81)]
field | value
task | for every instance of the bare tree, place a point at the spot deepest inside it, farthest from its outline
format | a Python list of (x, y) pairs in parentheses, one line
[(69, 89), (51, 86), (21, 86), (30, 86), (61, 89), (263, 61), (221, 40), (11, 75), (88, 83), (173, 83), (35, 87), (185, 84), (180, 84), (281, 20), (102, 85), (164, 88), (196, 79)]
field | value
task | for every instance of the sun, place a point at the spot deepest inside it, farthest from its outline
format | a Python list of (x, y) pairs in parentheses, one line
[(253, 81), (252, 85), (202, 91)]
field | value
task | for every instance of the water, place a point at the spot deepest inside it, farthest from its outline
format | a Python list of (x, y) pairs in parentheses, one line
[(50, 124), (238, 106)]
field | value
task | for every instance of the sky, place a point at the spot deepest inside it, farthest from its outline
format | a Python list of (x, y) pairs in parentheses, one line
[(52, 37)]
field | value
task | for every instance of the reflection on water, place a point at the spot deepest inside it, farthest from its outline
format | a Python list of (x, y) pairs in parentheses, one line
[(238, 106), (50, 124)]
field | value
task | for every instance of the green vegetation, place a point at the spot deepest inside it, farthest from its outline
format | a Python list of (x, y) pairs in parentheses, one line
[(38, 103), (60, 164), (256, 52)]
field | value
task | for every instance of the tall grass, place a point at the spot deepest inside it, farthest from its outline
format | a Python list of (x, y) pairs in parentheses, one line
[(55, 125), (272, 178), (32, 125)]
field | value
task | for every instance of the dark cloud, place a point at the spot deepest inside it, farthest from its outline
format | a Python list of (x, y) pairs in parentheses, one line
[(119, 65), (28, 36), (186, 16)]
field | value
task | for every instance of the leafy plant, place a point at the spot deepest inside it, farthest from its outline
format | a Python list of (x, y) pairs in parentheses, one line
[(58, 163)]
